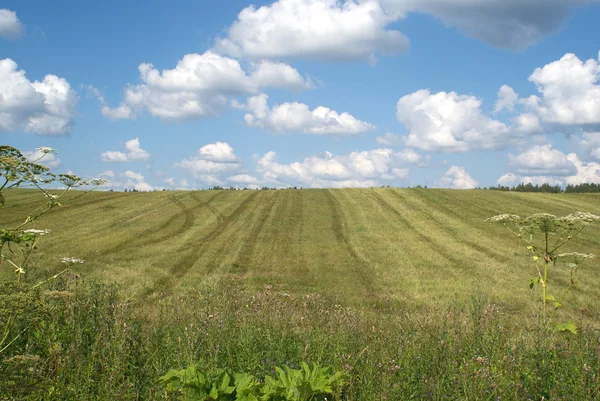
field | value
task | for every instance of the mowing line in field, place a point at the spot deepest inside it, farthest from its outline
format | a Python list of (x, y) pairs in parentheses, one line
[(195, 249), (359, 265), (188, 223), (245, 255), (449, 231), (428, 240)]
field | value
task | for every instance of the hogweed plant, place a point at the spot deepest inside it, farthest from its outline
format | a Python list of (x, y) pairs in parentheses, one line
[(17, 244), (544, 235)]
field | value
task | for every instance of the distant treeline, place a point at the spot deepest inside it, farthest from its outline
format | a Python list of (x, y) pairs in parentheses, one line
[(555, 189), (545, 188)]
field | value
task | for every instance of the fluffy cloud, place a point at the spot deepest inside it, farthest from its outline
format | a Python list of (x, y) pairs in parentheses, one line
[(136, 180), (510, 24), (199, 86), (552, 167), (338, 30), (542, 160), (212, 164), (10, 26), (297, 117), (46, 159), (358, 169), (46, 107), (268, 74), (457, 178), (313, 29), (134, 152), (244, 179), (570, 95), (507, 98), (448, 122)]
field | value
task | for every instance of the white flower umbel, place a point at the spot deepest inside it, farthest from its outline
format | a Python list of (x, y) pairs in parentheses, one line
[(72, 260), (35, 231), (46, 149)]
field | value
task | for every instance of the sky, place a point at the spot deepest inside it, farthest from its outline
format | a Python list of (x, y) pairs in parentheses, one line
[(308, 93)]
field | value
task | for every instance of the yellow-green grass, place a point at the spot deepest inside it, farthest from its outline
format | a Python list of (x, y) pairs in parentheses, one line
[(418, 247)]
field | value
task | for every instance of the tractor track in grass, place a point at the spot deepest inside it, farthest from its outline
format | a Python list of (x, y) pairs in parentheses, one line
[(360, 265), (432, 244), (447, 230), (185, 212), (244, 257), (194, 250)]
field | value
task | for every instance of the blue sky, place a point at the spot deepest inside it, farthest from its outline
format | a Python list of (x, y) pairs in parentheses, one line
[(312, 93)]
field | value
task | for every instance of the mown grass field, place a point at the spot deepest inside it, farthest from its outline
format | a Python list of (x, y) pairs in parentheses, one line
[(415, 247), (408, 291)]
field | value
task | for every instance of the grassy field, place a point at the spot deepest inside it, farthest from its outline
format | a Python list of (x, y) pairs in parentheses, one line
[(419, 247)]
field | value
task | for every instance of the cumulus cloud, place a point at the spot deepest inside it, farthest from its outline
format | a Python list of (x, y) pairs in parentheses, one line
[(46, 159), (570, 94), (10, 26), (542, 160), (509, 24), (136, 181), (552, 167), (199, 86), (46, 107), (448, 122), (244, 179), (133, 152), (457, 178), (507, 97), (298, 118), (212, 163), (269, 74), (339, 30), (358, 169), (314, 29)]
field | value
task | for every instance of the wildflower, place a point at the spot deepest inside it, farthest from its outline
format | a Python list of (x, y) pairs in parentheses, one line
[(99, 181), (577, 255), (35, 231), (72, 260), (46, 149), (580, 218), (502, 218)]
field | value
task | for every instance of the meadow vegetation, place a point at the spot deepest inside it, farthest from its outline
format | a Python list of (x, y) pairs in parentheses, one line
[(407, 292)]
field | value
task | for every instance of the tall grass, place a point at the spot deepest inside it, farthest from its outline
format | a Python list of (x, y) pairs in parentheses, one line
[(85, 341)]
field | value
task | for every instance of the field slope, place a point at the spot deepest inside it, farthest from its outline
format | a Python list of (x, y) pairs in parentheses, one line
[(420, 247)]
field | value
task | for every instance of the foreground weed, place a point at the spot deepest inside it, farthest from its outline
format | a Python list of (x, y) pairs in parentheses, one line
[(304, 384), (555, 232)]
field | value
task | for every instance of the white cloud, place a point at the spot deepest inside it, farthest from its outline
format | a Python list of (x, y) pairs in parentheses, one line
[(582, 172), (244, 179), (10, 26), (457, 178), (390, 139), (219, 152), (134, 152), (587, 172), (544, 161), (570, 95), (507, 97), (199, 86), (589, 142), (448, 122), (314, 29), (358, 169), (510, 24), (136, 180), (212, 163), (46, 159), (298, 118), (278, 75), (46, 107)]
